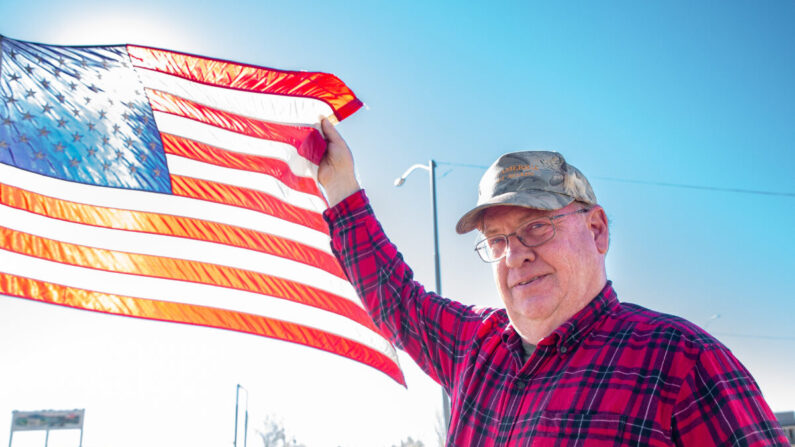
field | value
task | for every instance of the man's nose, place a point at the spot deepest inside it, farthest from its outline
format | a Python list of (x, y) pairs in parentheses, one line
[(517, 252)]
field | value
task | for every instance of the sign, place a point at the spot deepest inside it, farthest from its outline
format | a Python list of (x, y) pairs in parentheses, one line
[(47, 420)]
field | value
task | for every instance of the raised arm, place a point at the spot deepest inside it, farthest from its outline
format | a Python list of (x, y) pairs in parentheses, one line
[(433, 330)]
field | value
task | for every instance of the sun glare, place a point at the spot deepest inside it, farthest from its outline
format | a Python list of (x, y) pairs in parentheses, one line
[(116, 25)]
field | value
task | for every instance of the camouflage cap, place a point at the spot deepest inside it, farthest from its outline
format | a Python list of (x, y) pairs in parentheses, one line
[(533, 179)]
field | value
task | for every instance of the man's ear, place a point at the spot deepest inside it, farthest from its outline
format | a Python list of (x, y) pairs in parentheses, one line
[(599, 228)]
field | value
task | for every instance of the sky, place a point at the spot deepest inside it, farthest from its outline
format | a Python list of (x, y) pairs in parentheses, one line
[(680, 113)]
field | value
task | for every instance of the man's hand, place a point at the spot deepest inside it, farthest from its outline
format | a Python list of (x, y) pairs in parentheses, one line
[(335, 172)]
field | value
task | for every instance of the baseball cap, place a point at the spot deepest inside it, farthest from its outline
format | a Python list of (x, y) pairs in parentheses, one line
[(532, 179)]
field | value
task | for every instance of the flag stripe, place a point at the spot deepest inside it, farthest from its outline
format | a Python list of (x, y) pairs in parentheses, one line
[(170, 247), (180, 270), (182, 227), (165, 204), (168, 225), (235, 142), (199, 315), (189, 294), (255, 181), (306, 140), (323, 86), (262, 106), (198, 151), (246, 198)]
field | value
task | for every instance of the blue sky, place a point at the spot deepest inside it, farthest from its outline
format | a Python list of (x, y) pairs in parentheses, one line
[(685, 93)]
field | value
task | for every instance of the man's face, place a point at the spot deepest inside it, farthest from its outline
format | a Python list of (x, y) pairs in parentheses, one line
[(544, 286)]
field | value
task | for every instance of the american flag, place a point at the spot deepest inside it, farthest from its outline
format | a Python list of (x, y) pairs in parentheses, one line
[(154, 184)]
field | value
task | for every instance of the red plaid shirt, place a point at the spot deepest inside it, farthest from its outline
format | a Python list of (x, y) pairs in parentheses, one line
[(615, 374)]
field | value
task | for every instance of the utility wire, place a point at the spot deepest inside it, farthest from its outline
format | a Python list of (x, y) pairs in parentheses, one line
[(708, 188), (644, 182), (764, 337), (463, 165)]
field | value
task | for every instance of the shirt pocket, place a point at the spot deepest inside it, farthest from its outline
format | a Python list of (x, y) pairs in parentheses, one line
[(565, 428)]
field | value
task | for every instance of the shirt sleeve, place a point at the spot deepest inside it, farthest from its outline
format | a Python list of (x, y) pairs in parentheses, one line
[(719, 403), (429, 328)]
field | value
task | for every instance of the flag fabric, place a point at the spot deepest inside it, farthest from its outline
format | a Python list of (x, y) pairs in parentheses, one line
[(148, 183)]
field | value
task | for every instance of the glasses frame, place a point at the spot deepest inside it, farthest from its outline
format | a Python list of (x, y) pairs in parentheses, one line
[(507, 237)]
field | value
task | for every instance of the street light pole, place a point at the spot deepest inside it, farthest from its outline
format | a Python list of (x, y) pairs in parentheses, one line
[(245, 423), (237, 400), (431, 168), (437, 268)]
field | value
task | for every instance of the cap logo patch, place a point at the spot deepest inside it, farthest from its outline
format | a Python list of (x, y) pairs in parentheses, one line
[(517, 171)]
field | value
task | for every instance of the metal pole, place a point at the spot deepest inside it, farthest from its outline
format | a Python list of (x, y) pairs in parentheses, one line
[(438, 271), (431, 168), (11, 435), (245, 424), (81, 437), (237, 397), (237, 411), (46, 438)]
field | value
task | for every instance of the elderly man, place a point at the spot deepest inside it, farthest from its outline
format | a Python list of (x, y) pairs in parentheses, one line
[(565, 363)]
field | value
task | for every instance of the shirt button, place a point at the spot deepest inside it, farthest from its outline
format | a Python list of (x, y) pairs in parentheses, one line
[(563, 349)]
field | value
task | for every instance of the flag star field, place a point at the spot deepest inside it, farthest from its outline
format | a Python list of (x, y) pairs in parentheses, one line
[(79, 114)]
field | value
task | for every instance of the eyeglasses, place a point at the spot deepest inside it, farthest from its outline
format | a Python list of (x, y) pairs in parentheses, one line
[(530, 234)]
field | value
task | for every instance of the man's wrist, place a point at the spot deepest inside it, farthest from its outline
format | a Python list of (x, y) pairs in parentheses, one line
[(337, 193), (342, 213)]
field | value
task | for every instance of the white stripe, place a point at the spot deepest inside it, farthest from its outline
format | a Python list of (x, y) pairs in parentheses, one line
[(262, 106), (244, 179), (163, 204), (235, 142), (191, 293), (174, 247)]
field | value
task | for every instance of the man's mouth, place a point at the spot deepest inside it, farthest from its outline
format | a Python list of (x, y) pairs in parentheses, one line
[(531, 280)]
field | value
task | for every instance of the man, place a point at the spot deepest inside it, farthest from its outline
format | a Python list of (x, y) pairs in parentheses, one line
[(564, 363)]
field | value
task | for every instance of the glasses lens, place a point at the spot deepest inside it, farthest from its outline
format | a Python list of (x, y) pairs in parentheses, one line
[(491, 249), (530, 234), (536, 232)]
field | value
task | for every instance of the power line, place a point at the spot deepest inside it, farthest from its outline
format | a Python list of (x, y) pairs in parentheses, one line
[(645, 182), (764, 337), (463, 165), (708, 188)]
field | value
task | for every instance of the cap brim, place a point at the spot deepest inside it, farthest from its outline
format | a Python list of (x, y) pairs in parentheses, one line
[(537, 200)]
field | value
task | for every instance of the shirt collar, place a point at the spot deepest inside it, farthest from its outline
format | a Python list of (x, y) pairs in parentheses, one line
[(569, 334)]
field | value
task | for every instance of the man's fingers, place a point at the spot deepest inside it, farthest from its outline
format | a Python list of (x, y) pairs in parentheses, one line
[(330, 131), (335, 172)]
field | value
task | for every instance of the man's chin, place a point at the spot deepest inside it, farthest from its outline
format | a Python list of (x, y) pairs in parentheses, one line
[(533, 307)]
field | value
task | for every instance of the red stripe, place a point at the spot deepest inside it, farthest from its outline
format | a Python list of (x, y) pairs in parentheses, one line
[(321, 86), (200, 316), (206, 153), (306, 140), (168, 225), (180, 270), (246, 198)]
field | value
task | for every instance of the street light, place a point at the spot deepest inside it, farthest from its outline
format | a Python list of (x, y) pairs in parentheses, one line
[(245, 423), (431, 168)]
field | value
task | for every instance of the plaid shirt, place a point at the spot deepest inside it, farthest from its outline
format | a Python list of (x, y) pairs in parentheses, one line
[(615, 374)]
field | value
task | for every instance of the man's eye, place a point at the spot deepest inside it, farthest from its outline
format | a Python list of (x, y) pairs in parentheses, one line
[(495, 242), (535, 228)]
